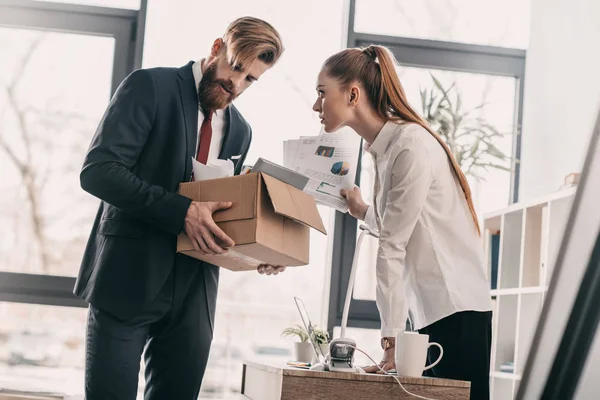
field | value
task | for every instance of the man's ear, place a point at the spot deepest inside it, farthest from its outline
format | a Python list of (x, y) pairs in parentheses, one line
[(354, 95), (217, 45)]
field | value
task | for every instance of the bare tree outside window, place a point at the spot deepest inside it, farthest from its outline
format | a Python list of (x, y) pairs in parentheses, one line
[(44, 133)]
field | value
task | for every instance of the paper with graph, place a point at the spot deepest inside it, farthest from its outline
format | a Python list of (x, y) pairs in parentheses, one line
[(330, 161)]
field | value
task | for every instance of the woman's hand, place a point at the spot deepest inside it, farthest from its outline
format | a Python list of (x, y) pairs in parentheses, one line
[(357, 207), (387, 363), (265, 269)]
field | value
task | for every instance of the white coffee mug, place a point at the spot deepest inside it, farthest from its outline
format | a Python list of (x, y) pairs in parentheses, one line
[(411, 353)]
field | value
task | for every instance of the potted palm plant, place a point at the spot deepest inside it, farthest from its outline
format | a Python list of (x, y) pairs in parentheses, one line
[(302, 347), (471, 138)]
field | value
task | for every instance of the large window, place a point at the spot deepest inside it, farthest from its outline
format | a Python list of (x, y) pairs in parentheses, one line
[(123, 4), (448, 62), (60, 64), (488, 22), (51, 109), (42, 348), (252, 310)]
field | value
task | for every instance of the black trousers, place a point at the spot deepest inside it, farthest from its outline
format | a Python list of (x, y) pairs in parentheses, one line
[(467, 341), (174, 333)]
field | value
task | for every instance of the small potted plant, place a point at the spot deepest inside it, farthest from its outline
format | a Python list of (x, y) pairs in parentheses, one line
[(303, 348)]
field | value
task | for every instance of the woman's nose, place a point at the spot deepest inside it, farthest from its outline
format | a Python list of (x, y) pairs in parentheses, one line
[(317, 106)]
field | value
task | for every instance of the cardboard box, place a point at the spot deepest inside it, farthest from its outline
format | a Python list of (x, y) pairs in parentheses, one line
[(269, 221)]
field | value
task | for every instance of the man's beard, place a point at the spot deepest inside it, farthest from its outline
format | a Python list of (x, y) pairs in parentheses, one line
[(210, 94)]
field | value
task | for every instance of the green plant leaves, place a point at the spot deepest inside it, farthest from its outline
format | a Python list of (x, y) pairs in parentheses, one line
[(472, 139)]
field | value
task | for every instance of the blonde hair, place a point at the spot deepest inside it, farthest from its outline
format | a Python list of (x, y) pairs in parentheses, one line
[(386, 95), (248, 38)]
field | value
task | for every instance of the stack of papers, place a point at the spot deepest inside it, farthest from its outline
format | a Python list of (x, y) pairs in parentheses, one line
[(329, 161), (283, 174), (215, 169)]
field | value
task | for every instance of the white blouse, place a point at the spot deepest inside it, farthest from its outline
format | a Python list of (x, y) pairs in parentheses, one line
[(430, 253)]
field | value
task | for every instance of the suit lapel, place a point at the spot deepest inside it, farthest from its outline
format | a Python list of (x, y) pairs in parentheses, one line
[(189, 101), (232, 140)]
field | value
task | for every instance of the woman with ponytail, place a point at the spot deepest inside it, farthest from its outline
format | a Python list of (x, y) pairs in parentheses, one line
[(430, 256)]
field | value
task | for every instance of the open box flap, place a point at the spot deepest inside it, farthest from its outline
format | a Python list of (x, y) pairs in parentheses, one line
[(293, 203)]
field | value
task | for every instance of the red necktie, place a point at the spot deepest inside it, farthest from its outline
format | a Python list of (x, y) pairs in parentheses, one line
[(204, 137)]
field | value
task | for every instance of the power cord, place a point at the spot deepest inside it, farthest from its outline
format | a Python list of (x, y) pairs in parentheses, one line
[(393, 376)]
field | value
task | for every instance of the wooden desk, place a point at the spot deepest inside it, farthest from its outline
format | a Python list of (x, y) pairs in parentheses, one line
[(17, 395), (6, 394), (263, 382)]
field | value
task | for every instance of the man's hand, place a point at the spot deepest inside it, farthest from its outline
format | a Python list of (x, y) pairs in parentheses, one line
[(202, 230), (357, 207), (269, 269), (387, 363)]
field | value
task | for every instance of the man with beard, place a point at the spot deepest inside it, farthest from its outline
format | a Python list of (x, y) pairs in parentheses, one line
[(145, 298)]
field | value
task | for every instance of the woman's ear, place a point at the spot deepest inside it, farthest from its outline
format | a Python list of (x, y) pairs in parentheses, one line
[(354, 95)]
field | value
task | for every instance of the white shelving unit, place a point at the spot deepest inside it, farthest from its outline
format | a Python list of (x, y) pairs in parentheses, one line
[(521, 244)]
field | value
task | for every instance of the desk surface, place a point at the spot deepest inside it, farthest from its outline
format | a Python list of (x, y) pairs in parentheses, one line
[(268, 382), (299, 372)]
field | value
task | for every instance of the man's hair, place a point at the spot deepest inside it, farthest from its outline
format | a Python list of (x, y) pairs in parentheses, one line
[(249, 38)]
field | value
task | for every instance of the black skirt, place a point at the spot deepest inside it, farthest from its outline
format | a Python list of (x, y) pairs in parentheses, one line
[(466, 337)]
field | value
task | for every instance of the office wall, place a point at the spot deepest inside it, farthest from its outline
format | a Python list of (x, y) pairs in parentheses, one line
[(562, 92)]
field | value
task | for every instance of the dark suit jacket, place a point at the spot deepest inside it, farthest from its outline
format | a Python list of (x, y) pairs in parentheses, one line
[(140, 153)]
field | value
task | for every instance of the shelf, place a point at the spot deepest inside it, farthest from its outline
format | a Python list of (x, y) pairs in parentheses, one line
[(492, 250), (493, 224), (521, 243), (532, 247), (559, 211), (505, 330), (534, 289), (503, 389), (510, 250), (530, 306), (504, 292), (513, 291), (494, 336), (505, 375), (559, 195)]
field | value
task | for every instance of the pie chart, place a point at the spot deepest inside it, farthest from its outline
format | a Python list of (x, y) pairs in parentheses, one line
[(340, 168)]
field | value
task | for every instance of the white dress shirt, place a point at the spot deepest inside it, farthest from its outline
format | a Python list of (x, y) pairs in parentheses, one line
[(217, 123), (430, 256)]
